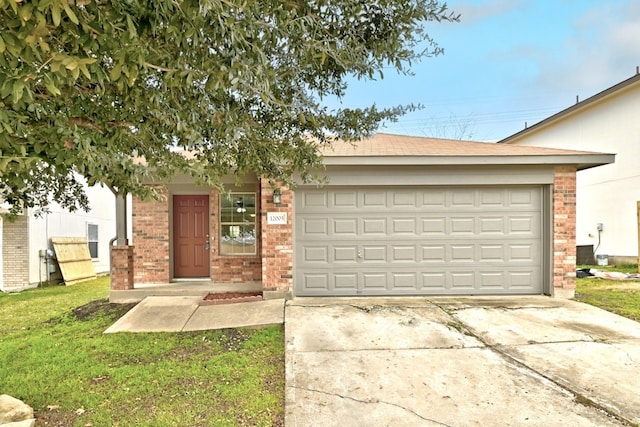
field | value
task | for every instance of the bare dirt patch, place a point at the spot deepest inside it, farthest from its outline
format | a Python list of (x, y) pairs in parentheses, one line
[(101, 307)]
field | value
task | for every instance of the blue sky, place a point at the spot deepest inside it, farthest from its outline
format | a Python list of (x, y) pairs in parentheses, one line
[(508, 62)]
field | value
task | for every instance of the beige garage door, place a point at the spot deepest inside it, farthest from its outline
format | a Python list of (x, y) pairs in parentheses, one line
[(418, 241)]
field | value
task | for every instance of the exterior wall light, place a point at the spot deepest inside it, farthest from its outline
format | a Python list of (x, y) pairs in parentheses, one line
[(277, 196)]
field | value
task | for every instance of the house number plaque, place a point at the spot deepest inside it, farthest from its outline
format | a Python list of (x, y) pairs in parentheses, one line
[(277, 218)]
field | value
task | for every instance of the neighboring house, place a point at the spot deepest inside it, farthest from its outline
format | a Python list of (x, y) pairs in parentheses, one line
[(607, 196), (26, 238), (400, 216)]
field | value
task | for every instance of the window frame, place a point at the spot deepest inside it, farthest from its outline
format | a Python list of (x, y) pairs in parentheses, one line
[(95, 241), (237, 225)]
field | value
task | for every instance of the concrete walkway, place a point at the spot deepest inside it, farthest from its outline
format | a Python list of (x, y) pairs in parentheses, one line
[(533, 361), (185, 313)]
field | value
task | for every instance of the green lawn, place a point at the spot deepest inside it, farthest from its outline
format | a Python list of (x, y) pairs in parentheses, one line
[(618, 296), (55, 357)]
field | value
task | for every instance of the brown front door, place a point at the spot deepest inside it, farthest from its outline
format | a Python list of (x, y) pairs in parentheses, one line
[(190, 236)]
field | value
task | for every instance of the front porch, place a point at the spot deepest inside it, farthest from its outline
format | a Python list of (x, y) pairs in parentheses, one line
[(195, 241), (181, 288)]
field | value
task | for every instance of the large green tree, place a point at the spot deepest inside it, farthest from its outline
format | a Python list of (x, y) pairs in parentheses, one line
[(88, 87)]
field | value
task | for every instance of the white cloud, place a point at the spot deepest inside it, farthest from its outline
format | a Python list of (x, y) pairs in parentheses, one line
[(473, 12), (603, 50)]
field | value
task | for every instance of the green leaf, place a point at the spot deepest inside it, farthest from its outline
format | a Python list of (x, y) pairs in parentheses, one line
[(115, 73), (2, 45), (25, 12), (18, 90), (85, 71), (51, 87), (132, 28), (4, 164), (70, 13), (14, 5), (55, 13), (70, 63)]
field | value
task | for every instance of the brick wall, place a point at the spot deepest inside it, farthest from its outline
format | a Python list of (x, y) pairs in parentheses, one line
[(15, 253), (151, 238), (232, 268), (150, 221), (277, 242), (122, 267), (564, 232)]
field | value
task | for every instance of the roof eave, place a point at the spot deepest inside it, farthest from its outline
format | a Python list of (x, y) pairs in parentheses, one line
[(581, 161), (572, 109)]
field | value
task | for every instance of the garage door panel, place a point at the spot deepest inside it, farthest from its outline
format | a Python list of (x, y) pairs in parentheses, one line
[(345, 254), (462, 280), (527, 198), (434, 199), (462, 253), (374, 226), (344, 226), (522, 252), (371, 253), (492, 280), (344, 199), (492, 198), (313, 199), (316, 254), (315, 226), (404, 199), (374, 281), (316, 281), (522, 279), (492, 253), (345, 281), (491, 225), (403, 241), (403, 253), (402, 226), (434, 281), (462, 225), (434, 253), (374, 199), (463, 198), (522, 225), (434, 226), (404, 281)]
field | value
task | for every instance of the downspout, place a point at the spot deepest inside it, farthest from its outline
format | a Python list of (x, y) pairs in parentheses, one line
[(120, 238), (121, 218)]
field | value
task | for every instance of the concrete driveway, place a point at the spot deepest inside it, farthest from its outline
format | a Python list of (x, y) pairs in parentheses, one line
[(511, 361)]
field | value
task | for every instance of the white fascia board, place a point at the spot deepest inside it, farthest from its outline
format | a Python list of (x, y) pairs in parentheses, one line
[(582, 161)]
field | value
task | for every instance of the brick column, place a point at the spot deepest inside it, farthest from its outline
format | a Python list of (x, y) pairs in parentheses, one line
[(151, 239), (277, 244), (564, 232), (121, 268)]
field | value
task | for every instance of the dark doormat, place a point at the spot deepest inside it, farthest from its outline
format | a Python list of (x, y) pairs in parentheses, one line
[(230, 297)]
